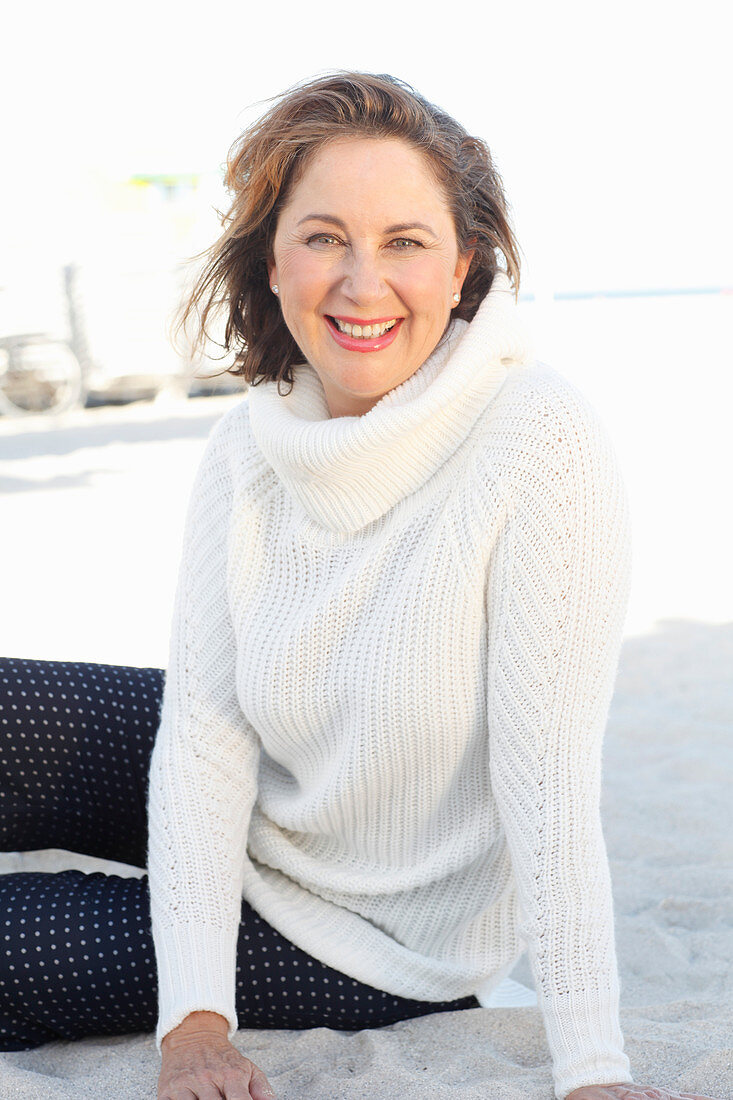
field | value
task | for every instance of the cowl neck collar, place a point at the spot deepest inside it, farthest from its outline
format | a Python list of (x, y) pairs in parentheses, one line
[(348, 471)]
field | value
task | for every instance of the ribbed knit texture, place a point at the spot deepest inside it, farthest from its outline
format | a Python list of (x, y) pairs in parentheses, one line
[(393, 649)]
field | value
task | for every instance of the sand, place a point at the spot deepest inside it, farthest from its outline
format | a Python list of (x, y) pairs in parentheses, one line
[(113, 483), (668, 829)]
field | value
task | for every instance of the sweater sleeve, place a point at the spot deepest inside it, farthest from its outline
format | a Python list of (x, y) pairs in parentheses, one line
[(558, 596), (203, 770)]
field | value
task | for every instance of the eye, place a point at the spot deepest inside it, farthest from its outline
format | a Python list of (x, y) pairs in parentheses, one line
[(323, 238), (403, 244)]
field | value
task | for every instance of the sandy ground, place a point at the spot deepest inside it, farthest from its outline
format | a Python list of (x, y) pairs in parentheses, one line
[(668, 827), (91, 518)]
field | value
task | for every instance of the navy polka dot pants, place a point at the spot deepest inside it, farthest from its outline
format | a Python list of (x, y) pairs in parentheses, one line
[(76, 950)]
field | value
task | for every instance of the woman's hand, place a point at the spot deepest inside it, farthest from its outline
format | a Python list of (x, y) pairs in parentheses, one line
[(199, 1063), (630, 1092)]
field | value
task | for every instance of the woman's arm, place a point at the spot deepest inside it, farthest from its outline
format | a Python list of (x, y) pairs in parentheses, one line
[(557, 599), (203, 769)]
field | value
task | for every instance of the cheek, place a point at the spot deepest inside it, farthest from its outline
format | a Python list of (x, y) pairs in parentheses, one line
[(436, 267), (428, 286), (300, 290), (299, 271)]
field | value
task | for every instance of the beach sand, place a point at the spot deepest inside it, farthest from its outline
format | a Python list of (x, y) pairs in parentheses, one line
[(667, 822), (113, 484)]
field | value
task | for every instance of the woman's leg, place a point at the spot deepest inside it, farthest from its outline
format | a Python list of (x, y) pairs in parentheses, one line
[(75, 746), (76, 950), (280, 986), (77, 959)]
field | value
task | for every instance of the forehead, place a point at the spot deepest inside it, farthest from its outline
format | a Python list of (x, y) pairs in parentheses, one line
[(367, 176)]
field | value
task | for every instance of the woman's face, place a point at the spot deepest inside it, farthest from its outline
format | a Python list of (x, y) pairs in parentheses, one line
[(366, 239)]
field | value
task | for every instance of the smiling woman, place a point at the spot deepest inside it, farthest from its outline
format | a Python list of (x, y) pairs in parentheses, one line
[(299, 179), (366, 288), (375, 779)]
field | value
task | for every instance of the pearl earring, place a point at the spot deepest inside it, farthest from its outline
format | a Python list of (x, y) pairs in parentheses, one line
[(456, 297), (275, 288)]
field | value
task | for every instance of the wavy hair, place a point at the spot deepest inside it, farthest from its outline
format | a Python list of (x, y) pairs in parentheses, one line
[(269, 157)]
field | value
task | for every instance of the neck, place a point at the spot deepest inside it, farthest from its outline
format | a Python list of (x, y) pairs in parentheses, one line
[(347, 470)]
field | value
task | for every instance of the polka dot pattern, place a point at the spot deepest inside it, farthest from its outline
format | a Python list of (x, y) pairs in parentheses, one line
[(76, 957), (278, 985), (75, 745), (76, 950)]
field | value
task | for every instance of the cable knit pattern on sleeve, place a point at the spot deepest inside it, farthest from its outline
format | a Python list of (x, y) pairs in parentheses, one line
[(558, 592), (394, 646), (203, 768)]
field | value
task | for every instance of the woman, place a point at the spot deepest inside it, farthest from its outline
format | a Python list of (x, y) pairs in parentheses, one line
[(376, 772)]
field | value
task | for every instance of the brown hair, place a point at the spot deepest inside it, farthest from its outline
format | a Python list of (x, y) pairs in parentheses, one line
[(269, 157)]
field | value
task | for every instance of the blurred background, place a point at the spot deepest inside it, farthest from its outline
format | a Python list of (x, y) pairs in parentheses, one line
[(610, 126)]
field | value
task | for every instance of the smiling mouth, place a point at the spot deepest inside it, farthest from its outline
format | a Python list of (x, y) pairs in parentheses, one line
[(367, 331)]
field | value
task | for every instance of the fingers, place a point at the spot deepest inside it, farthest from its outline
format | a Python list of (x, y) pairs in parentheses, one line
[(244, 1081), (687, 1096), (644, 1092), (631, 1092), (234, 1086), (207, 1092), (664, 1095), (259, 1086)]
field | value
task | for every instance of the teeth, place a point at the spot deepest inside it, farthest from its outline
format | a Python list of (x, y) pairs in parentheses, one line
[(366, 332)]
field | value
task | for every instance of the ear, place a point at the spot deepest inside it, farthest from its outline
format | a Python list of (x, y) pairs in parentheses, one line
[(462, 266), (271, 270)]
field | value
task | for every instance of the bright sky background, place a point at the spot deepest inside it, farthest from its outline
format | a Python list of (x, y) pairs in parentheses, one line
[(609, 122)]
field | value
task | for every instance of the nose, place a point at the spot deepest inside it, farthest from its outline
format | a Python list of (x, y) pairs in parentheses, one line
[(363, 281)]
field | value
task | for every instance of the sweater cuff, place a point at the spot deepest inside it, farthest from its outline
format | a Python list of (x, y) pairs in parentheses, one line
[(584, 1034), (196, 973)]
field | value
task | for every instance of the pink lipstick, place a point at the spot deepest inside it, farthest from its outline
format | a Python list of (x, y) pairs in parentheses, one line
[(361, 343)]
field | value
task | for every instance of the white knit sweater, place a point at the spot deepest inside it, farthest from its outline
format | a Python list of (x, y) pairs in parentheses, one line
[(393, 649)]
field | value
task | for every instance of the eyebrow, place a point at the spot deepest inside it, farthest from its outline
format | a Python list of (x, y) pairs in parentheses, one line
[(390, 228)]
